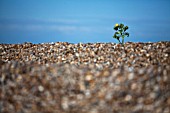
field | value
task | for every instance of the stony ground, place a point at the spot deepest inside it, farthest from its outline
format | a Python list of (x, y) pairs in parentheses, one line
[(85, 78)]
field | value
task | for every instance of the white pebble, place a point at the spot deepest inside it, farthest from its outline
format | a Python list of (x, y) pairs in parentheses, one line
[(40, 88)]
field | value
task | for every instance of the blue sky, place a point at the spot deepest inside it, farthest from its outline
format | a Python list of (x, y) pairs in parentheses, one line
[(74, 21)]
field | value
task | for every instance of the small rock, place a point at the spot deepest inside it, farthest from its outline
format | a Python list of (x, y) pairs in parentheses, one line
[(128, 97), (88, 77), (41, 88)]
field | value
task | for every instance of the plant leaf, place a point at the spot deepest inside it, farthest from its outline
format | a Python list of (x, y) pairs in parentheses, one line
[(121, 25), (127, 34), (125, 28), (116, 28)]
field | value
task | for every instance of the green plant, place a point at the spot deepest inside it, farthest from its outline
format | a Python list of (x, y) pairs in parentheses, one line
[(120, 32)]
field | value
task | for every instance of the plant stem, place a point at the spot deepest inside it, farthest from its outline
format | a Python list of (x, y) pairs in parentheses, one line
[(119, 42), (122, 40)]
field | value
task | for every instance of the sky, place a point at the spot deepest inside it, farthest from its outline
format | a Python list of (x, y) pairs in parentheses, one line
[(85, 21)]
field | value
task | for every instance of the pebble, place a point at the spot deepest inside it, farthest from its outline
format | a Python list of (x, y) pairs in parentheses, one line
[(128, 97), (131, 76), (88, 77), (41, 88), (134, 86)]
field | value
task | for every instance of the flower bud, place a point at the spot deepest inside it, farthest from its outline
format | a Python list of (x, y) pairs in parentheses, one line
[(116, 25)]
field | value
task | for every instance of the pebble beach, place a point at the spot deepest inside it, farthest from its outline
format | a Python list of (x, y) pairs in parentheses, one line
[(62, 77)]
